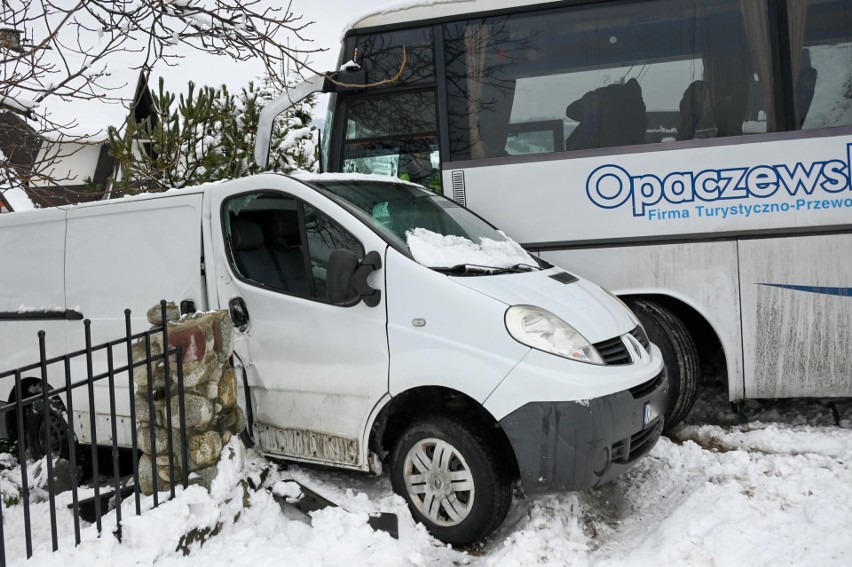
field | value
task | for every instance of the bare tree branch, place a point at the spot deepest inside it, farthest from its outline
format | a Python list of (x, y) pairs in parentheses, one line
[(69, 45), (68, 48)]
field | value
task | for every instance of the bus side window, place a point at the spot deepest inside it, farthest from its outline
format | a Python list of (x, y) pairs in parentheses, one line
[(622, 68), (821, 62)]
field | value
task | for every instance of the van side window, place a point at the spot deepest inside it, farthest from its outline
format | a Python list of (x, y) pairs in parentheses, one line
[(323, 236), (280, 243)]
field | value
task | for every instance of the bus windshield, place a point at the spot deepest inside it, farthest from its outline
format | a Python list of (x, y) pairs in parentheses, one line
[(435, 231)]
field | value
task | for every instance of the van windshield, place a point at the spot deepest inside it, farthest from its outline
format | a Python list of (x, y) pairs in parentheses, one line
[(437, 232)]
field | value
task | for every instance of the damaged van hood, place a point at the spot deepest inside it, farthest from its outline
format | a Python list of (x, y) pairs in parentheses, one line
[(580, 303)]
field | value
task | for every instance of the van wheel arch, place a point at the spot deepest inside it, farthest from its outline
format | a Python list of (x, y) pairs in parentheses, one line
[(700, 341), (417, 403)]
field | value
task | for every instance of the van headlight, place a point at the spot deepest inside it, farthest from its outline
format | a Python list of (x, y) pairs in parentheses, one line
[(542, 330)]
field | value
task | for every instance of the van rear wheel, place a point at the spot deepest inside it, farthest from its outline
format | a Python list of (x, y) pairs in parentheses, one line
[(667, 331), (38, 421), (452, 477)]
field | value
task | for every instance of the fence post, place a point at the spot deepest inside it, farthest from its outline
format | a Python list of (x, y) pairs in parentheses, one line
[(87, 325), (72, 450), (48, 452), (131, 392), (114, 444), (22, 457)]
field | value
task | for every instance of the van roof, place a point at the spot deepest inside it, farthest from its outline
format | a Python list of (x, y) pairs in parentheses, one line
[(306, 177), (408, 11)]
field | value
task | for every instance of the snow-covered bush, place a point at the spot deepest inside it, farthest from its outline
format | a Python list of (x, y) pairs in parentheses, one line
[(208, 134)]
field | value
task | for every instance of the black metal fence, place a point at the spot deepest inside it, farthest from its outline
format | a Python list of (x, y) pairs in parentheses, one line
[(44, 424)]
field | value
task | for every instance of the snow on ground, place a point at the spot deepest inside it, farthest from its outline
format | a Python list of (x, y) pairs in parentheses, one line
[(776, 490)]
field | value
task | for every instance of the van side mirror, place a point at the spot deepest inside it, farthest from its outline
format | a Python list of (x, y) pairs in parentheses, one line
[(346, 278)]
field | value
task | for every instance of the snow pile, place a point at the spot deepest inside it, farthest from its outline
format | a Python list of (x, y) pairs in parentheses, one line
[(10, 478), (727, 506), (445, 251), (548, 532), (244, 535), (738, 494)]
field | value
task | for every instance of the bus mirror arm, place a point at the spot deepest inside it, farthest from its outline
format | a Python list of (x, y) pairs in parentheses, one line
[(266, 120)]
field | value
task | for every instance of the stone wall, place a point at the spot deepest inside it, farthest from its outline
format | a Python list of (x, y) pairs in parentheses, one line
[(210, 398)]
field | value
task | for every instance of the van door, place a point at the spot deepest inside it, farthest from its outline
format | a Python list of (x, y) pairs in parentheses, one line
[(316, 370)]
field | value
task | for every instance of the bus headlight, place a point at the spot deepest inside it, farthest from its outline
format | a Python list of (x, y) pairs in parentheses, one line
[(542, 330)]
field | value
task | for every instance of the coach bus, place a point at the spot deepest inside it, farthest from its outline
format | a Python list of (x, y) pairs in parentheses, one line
[(692, 156)]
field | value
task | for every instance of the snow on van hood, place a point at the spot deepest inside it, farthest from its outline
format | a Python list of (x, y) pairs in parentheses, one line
[(581, 304)]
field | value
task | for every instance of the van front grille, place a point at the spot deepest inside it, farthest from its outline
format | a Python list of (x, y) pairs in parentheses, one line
[(646, 388), (613, 352), (640, 335)]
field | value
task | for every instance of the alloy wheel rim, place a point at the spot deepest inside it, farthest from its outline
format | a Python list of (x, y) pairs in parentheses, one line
[(58, 435), (439, 482)]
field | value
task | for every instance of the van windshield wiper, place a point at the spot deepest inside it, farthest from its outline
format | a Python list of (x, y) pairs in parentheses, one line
[(485, 270)]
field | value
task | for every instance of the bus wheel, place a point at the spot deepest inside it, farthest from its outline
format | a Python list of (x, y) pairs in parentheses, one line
[(680, 355), (453, 479)]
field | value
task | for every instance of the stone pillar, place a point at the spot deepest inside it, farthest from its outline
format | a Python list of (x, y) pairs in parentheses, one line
[(210, 397)]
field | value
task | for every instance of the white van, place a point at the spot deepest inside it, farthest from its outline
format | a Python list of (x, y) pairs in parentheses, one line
[(377, 321)]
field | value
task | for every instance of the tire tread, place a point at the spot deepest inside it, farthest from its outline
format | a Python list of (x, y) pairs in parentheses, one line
[(685, 385)]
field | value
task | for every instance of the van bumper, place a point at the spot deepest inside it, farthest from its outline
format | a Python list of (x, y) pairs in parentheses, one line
[(562, 446)]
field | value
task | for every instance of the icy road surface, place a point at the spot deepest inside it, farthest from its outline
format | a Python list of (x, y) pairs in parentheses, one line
[(774, 491)]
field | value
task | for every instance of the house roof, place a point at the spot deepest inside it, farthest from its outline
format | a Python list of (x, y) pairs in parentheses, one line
[(90, 119), (105, 89)]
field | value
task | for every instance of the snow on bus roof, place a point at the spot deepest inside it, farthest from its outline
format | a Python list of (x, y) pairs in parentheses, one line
[(417, 10)]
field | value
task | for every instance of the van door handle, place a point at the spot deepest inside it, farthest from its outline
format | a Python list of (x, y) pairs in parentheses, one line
[(239, 313)]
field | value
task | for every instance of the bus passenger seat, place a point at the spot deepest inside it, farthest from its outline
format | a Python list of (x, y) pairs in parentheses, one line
[(613, 115), (696, 118)]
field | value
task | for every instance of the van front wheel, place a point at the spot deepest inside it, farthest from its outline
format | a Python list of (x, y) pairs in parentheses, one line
[(453, 479)]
